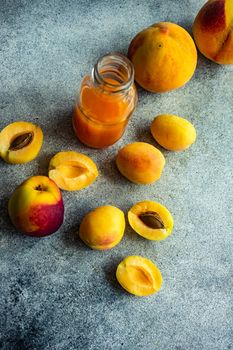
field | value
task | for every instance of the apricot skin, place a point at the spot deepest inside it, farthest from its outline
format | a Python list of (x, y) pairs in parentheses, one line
[(213, 31), (139, 276), (172, 132), (102, 228), (143, 230), (26, 153), (72, 171), (160, 51), (140, 162)]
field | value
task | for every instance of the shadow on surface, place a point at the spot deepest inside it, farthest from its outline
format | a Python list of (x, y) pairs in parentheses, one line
[(109, 169), (5, 222), (43, 163), (110, 274), (70, 238)]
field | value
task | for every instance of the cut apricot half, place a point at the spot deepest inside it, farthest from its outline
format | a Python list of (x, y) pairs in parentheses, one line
[(72, 171), (151, 220), (20, 142), (139, 276)]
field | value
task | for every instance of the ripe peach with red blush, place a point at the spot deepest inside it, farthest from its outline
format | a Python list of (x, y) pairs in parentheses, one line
[(36, 207), (213, 31)]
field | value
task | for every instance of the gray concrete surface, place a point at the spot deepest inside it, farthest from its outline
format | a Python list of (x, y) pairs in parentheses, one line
[(56, 293)]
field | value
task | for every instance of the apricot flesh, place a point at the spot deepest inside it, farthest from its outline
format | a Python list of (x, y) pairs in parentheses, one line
[(164, 57), (72, 171), (151, 220), (20, 142), (139, 276), (213, 31), (140, 162), (103, 227), (172, 132)]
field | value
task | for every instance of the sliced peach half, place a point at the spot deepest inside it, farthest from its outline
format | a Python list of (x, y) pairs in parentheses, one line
[(20, 142), (139, 276), (151, 220), (72, 171)]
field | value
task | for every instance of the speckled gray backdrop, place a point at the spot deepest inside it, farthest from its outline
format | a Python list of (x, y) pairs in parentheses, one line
[(56, 293)]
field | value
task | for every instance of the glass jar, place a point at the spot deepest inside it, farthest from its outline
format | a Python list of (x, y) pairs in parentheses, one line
[(106, 101)]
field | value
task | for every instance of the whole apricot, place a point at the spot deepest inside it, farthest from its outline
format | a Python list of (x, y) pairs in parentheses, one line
[(213, 31), (164, 57), (172, 132), (36, 207), (140, 162), (72, 171), (103, 227), (151, 220), (139, 276), (20, 142)]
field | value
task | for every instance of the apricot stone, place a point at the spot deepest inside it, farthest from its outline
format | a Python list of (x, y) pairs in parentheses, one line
[(164, 57), (102, 228), (72, 171), (139, 276), (213, 31), (151, 220), (172, 132), (140, 162), (20, 142)]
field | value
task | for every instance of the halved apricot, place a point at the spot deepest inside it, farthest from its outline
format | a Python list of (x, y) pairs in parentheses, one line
[(20, 142), (139, 276), (72, 171), (151, 220)]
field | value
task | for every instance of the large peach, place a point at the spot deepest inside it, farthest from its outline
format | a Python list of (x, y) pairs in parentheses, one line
[(140, 162), (20, 142), (164, 57), (213, 31), (36, 207), (102, 228)]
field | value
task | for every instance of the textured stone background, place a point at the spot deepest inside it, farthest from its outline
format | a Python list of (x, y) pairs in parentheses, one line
[(55, 292)]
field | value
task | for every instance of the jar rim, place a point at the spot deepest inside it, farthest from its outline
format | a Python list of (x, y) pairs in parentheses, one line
[(123, 61)]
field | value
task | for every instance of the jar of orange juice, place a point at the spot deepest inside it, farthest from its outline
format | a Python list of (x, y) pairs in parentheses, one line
[(106, 101)]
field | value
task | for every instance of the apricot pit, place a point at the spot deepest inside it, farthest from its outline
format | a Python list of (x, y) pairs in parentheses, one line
[(20, 142), (151, 220), (139, 276), (72, 171)]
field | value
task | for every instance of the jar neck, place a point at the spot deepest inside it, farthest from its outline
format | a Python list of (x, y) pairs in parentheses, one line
[(113, 72)]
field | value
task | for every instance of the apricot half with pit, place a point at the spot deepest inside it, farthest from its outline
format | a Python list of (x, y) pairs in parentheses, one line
[(139, 276), (172, 132), (140, 162), (151, 220), (103, 227), (72, 171), (164, 57), (213, 31), (20, 142)]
